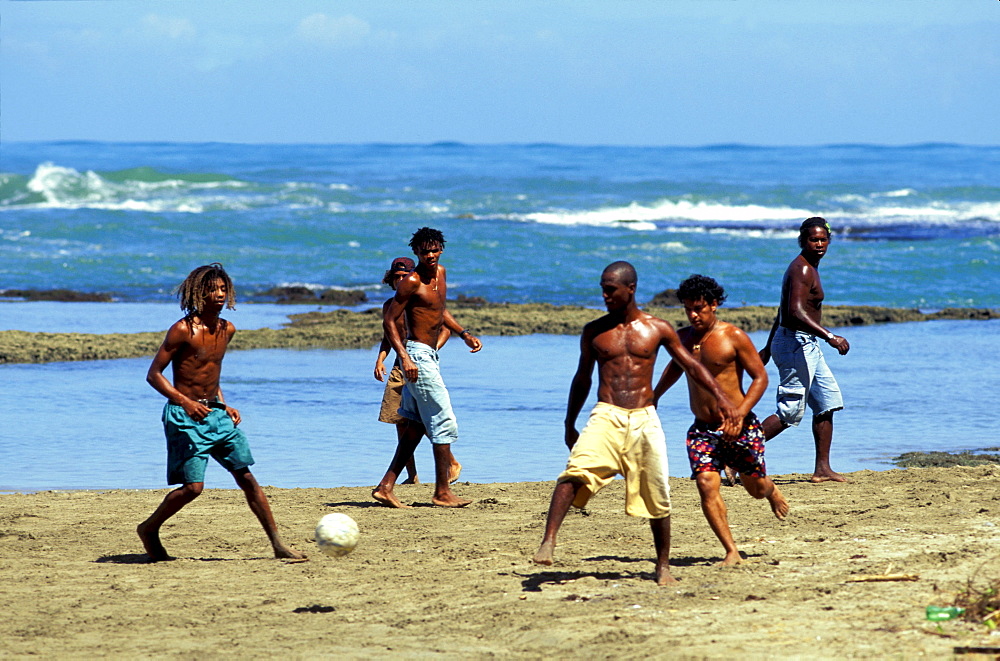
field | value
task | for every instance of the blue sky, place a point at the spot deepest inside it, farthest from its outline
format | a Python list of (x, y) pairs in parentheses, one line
[(669, 72)]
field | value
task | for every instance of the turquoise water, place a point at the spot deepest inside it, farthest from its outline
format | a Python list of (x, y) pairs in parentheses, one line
[(914, 226), (311, 415)]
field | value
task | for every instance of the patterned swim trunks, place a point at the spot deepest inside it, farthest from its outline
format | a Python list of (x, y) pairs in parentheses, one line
[(708, 451)]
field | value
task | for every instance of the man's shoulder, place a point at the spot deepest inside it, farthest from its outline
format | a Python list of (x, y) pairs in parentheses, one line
[(182, 326), (661, 325), (408, 284)]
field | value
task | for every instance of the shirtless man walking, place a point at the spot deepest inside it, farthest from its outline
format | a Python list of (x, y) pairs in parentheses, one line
[(196, 419), (727, 352), (420, 296), (393, 392), (623, 435), (794, 345)]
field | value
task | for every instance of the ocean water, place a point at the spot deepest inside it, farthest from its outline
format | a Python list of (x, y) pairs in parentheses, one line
[(311, 415), (914, 226)]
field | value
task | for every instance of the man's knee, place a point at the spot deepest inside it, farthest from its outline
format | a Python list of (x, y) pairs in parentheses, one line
[(707, 482), (825, 416), (757, 487), (192, 489), (244, 478)]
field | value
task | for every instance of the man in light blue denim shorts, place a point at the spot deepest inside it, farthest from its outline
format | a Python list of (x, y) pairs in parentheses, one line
[(426, 400), (805, 378), (794, 344), (420, 303)]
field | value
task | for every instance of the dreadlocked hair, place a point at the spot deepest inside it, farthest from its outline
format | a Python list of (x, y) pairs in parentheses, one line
[(426, 235), (192, 291)]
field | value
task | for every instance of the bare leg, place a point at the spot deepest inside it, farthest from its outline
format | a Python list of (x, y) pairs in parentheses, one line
[(562, 499), (773, 426), (443, 496), (714, 508), (408, 441), (661, 540), (261, 508), (822, 426), (149, 530), (764, 487), (411, 465)]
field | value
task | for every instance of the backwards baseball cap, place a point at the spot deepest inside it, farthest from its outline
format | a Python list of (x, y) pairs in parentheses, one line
[(402, 264)]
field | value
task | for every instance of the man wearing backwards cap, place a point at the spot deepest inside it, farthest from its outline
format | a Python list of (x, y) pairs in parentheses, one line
[(392, 395), (420, 300)]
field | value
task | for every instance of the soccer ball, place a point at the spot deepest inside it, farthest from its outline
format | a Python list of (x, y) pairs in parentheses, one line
[(337, 534)]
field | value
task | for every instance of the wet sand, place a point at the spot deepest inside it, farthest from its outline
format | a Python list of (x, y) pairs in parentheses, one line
[(342, 329), (460, 584)]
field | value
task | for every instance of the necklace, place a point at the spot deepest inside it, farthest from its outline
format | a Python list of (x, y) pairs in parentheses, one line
[(704, 337)]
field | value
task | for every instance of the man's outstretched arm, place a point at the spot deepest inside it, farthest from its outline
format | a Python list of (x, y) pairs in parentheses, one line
[(470, 340)]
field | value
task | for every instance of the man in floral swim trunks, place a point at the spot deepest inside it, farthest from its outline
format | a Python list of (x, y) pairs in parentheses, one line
[(623, 434), (727, 352)]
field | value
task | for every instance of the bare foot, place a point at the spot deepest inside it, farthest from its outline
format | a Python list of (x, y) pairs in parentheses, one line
[(412, 479), (388, 498), (664, 577), (778, 504), (451, 500), (151, 542), (287, 553), (544, 554), (827, 476), (732, 558), (454, 472), (732, 477)]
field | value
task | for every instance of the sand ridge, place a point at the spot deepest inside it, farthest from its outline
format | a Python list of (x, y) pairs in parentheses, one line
[(459, 583), (344, 329)]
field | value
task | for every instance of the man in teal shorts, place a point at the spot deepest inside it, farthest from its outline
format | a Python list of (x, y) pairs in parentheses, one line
[(196, 419)]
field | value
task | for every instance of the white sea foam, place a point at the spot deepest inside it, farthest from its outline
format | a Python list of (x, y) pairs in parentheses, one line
[(643, 217), (66, 188)]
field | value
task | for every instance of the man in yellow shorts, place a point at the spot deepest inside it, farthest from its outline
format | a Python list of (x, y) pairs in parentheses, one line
[(623, 435)]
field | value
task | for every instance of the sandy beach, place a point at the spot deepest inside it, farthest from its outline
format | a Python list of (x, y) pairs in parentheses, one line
[(460, 584)]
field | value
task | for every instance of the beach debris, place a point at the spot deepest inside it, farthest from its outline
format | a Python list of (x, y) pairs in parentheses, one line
[(980, 598), (877, 578), (314, 608), (941, 613)]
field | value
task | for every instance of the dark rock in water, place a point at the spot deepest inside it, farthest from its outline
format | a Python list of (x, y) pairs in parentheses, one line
[(66, 295), (666, 299), (948, 459), (464, 301), (343, 297), (967, 313), (290, 294), (306, 295)]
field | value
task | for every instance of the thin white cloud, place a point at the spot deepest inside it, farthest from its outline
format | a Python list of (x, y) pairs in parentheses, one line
[(344, 30), (174, 28)]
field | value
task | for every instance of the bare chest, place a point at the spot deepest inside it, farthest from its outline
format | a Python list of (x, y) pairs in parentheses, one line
[(632, 340)]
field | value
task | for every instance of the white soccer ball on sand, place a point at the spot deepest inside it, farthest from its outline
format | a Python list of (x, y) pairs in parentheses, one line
[(337, 534)]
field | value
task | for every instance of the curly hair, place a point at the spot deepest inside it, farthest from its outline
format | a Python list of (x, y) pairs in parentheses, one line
[(192, 291), (701, 287), (810, 223), (426, 235)]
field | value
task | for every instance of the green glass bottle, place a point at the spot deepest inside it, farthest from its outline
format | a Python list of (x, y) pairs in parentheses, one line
[(941, 613)]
